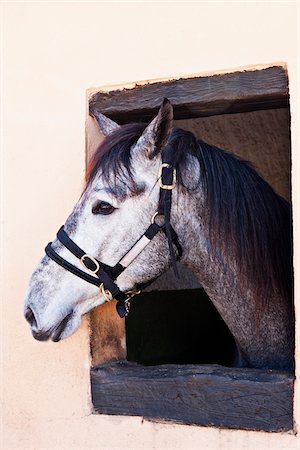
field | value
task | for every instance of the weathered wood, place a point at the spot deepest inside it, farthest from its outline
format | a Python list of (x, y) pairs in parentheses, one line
[(198, 96), (191, 394)]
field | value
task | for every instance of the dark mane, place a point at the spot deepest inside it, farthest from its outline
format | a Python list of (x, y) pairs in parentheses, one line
[(245, 214)]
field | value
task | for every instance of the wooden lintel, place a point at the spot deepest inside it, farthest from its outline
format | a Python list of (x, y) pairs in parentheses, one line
[(198, 96), (194, 394)]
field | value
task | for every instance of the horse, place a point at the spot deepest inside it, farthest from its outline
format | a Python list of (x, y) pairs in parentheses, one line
[(202, 205)]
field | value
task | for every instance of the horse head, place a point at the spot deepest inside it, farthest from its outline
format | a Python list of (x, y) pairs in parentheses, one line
[(123, 233), (119, 200)]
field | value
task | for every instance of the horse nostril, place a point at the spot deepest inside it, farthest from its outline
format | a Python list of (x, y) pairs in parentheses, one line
[(29, 316)]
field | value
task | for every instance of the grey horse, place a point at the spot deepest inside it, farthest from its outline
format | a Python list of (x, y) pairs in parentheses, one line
[(235, 232)]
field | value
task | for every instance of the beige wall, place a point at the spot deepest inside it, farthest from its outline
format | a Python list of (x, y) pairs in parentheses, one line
[(53, 52)]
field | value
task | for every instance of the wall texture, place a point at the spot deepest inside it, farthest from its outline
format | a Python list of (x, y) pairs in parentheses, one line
[(53, 52)]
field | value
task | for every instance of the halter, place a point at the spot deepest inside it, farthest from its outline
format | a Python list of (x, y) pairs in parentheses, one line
[(104, 276)]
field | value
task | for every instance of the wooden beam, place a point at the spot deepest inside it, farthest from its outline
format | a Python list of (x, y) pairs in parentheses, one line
[(203, 395), (198, 96)]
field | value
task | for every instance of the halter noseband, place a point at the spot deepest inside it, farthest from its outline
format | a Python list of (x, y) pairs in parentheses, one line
[(104, 276)]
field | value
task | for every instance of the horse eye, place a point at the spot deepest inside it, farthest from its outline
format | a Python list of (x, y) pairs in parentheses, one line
[(102, 208)]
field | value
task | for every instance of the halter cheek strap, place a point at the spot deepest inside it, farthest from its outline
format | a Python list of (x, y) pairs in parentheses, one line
[(103, 275)]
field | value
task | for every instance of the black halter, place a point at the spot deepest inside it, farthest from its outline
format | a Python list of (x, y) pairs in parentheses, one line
[(104, 276)]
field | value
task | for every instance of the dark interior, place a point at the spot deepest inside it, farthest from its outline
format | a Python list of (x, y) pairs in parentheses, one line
[(177, 327)]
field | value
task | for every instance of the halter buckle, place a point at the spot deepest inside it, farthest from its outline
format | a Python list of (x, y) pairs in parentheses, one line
[(168, 187), (90, 258)]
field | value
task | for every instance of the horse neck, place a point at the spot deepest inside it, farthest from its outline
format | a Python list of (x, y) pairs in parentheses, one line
[(264, 338)]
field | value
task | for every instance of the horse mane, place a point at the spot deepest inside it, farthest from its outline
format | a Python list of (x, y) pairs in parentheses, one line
[(247, 215), (113, 157), (244, 212)]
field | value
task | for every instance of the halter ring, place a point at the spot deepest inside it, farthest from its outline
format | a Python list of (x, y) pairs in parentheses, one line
[(90, 258), (154, 216), (106, 293)]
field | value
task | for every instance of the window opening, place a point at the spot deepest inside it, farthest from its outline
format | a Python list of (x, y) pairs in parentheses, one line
[(174, 326)]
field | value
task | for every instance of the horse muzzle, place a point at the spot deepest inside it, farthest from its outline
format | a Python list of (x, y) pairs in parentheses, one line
[(54, 333)]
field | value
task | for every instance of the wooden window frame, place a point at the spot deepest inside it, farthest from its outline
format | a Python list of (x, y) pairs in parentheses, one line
[(206, 395)]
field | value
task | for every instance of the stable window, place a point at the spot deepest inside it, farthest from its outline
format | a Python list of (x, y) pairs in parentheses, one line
[(170, 359)]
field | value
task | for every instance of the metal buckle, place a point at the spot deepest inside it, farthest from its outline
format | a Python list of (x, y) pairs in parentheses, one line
[(106, 293), (168, 187), (93, 261)]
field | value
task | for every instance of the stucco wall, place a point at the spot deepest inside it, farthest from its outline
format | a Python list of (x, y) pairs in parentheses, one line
[(53, 52)]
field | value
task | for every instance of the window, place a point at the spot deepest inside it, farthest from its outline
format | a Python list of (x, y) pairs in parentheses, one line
[(163, 374)]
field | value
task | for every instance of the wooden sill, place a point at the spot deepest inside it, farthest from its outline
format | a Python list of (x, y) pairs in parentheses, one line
[(208, 395)]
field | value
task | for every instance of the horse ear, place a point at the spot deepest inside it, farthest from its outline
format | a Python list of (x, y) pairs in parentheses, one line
[(157, 133), (106, 125)]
